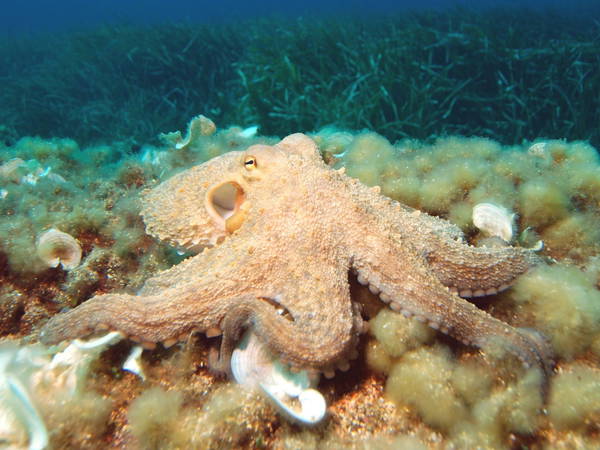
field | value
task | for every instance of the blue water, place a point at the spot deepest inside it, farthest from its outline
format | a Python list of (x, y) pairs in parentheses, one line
[(19, 17)]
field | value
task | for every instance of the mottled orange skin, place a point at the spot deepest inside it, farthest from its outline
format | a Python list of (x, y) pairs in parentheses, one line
[(304, 227)]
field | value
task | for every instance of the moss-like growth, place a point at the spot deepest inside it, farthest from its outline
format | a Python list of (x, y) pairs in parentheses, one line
[(153, 417), (564, 303), (423, 379), (398, 334), (575, 401), (542, 202), (80, 421)]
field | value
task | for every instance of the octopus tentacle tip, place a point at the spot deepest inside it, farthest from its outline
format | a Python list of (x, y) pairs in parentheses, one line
[(542, 348)]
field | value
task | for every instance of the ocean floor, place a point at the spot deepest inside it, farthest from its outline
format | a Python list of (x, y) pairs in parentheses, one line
[(411, 387)]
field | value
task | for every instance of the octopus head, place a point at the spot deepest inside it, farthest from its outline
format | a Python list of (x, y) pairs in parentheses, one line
[(201, 206)]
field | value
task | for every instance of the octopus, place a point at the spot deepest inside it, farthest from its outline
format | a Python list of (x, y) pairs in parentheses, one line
[(277, 233)]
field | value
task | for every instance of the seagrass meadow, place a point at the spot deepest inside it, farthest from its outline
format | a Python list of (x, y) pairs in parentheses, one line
[(443, 111), (507, 75)]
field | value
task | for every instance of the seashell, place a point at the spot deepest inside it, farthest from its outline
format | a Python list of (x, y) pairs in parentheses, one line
[(56, 178), (10, 169), (19, 417), (133, 363), (68, 368), (248, 132), (494, 220), (539, 149), (55, 247), (153, 156), (252, 365), (28, 372), (530, 239), (198, 126)]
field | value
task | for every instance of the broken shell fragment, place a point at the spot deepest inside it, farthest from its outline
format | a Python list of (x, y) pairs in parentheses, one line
[(197, 127), (9, 170), (248, 132), (30, 371), (253, 366), (494, 220), (133, 363), (539, 149), (68, 368), (19, 416), (55, 247)]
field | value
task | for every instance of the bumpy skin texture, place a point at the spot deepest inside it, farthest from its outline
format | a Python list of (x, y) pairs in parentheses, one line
[(280, 232)]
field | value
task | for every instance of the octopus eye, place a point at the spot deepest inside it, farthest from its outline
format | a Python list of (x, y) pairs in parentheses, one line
[(250, 163)]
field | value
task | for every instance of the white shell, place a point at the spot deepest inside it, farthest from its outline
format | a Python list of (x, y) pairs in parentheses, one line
[(55, 247), (494, 220), (30, 371), (252, 365), (249, 132), (9, 170), (133, 363), (198, 126), (18, 413), (539, 149), (69, 367)]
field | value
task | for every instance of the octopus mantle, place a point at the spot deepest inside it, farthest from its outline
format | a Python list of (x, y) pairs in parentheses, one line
[(279, 232)]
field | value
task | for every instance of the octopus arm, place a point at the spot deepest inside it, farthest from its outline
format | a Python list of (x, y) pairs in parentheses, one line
[(183, 272), (191, 296), (476, 271), (411, 288), (309, 324), (166, 315), (114, 312)]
